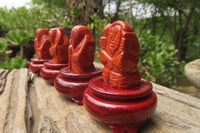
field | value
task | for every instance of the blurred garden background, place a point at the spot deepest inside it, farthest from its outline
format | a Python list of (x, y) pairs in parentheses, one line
[(168, 32)]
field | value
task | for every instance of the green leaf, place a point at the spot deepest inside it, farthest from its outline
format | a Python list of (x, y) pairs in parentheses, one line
[(13, 63), (74, 12), (3, 46), (18, 37), (94, 17)]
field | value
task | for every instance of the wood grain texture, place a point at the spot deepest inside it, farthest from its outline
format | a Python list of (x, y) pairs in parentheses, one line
[(13, 102), (30, 105)]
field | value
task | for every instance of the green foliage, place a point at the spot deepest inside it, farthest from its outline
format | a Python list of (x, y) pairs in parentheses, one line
[(50, 3), (74, 12), (193, 50), (32, 18), (18, 37), (98, 25), (13, 63), (159, 58), (3, 46)]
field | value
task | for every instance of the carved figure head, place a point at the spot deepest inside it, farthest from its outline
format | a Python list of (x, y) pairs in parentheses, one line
[(77, 34), (114, 37)]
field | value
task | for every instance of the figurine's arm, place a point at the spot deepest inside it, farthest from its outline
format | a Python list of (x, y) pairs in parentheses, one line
[(84, 52), (127, 60), (45, 49), (116, 60), (104, 57), (45, 43), (53, 51)]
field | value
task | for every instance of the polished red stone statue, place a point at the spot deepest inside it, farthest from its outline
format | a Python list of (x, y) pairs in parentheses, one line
[(59, 52), (120, 98), (81, 50), (73, 80), (42, 46), (120, 54)]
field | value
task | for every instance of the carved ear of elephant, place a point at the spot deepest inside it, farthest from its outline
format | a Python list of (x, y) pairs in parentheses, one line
[(58, 38), (103, 40)]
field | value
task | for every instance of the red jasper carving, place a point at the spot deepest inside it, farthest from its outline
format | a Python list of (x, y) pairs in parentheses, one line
[(120, 98), (42, 46), (120, 54), (59, 45), (59, 52), (73, 80), (81, 50)]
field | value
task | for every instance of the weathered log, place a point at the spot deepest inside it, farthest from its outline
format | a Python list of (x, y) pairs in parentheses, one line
[(13, 102), (30, 105)]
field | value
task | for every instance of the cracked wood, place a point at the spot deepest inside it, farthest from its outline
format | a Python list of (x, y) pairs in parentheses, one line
[(30, 105)]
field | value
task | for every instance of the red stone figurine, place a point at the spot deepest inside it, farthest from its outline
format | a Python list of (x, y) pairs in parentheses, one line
[(42, 46), (120, 98), (59, 52), (73, 80)]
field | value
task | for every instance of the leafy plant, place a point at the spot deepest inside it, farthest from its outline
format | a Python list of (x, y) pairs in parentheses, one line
[(18, 37), (74, 12), (3, 49), (32, 18), (193, 49), (13, 63), (159, 59), (97, 27), (3, 46)]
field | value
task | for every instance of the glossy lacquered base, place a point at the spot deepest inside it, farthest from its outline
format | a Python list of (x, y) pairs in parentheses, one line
[(72, 85), (36, 65), (122, 110), (51, 70)]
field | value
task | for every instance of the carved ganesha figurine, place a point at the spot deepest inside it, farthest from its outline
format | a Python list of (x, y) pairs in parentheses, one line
[(120, 98), (81, 50), (42, 44), (73, 80), (120, 54), (59, 45), (59, 52)]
